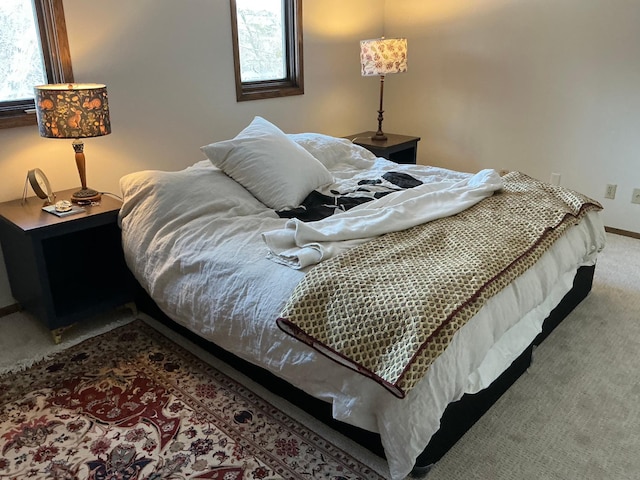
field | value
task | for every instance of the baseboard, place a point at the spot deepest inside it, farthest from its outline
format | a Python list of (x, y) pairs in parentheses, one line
[(9, 309), (624, 233)]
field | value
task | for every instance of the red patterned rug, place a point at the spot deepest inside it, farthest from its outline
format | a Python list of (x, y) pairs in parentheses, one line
[(131, 404)]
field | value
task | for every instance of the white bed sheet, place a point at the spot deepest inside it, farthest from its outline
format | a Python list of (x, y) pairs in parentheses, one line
[(192, 239)]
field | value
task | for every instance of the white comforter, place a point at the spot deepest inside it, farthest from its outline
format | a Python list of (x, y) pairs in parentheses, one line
[(192, 239)]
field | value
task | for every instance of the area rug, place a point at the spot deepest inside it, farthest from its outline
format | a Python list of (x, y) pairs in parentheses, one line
[(131, 404)]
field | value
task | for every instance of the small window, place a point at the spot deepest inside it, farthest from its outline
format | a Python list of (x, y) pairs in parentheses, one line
[(267, 48), (33, 50)]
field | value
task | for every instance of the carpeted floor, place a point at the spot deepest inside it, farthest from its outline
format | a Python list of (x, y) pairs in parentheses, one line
[(24, 340), (574, 415)]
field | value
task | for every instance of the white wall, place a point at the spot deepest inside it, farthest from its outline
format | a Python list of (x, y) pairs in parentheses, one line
[(539, 86), (168, 67)]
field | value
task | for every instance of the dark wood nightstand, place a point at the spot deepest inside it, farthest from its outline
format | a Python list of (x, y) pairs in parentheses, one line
[(64, 269), (398, 148)]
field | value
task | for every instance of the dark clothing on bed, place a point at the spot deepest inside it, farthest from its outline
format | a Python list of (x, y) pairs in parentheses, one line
[(318, 205)]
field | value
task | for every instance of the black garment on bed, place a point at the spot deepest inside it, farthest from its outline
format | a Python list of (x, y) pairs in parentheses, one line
[(317, 206)]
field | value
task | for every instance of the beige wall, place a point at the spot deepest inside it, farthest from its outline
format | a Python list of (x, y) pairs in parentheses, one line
[(539, 86), (168, 67)]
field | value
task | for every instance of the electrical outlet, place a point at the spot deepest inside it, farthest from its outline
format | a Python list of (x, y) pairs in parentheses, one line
[(635, 196), (555, 179), (610, 191)]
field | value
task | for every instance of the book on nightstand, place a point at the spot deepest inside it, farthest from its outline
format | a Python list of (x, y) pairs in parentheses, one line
[(74, 210)]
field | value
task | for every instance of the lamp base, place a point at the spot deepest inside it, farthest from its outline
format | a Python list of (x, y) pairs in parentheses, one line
[(379, 137), (86, 195)]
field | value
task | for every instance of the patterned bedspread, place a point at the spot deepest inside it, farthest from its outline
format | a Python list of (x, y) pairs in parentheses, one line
[(389, 307)]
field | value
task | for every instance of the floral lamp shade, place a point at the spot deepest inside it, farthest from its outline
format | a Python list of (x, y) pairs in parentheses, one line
[(381, 56), (74, 110)]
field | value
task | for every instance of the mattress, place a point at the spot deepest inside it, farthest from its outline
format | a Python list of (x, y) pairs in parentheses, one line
[(192, 239)]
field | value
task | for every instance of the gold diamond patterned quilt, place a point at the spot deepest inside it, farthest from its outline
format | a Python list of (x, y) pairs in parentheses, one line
[(389, 307)]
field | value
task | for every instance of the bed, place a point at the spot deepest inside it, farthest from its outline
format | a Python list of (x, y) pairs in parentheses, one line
[(224, 249)]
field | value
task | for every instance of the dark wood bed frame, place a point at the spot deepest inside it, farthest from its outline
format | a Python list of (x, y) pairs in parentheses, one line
[(458, 417)]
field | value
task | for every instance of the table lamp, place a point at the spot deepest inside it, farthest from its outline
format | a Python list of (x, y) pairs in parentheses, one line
[(382, 56), (74, 110)]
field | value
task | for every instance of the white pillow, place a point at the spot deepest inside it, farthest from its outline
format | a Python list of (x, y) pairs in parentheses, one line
[(275, 169), (331, 151)]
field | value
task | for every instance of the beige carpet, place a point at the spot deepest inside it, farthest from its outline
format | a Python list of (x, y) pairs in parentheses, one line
[(24, 340), (574, 415)]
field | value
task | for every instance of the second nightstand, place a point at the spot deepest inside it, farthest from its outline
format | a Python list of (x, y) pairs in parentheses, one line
[(397, 148), (64, 269)]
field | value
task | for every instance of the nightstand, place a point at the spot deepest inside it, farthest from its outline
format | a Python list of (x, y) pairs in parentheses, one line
[(64, 269), (398, 148)]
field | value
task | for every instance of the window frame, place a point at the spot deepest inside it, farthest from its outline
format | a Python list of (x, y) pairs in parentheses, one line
[(52, 30), (293, 83)]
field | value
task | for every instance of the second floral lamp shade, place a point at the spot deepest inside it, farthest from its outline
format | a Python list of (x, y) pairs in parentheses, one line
[(74, 110), (382, 56)]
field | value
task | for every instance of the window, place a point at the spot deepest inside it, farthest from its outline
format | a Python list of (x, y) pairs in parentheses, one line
[(267, 48), (33, 50)]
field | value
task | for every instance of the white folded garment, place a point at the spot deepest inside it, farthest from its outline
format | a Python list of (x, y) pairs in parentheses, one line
[(301, 244)]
